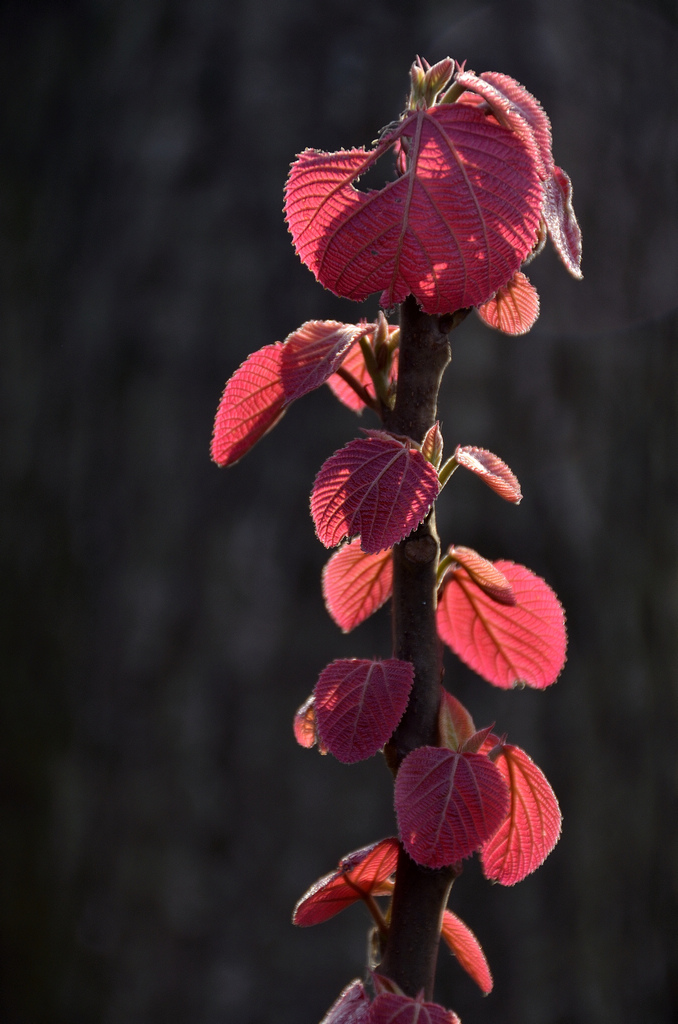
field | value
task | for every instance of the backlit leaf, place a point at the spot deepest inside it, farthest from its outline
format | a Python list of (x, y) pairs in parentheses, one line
[(523, 644), (312, 353), (356, 584), (391, 1008), (377, 487), (352, 1006), (515, 307), (561, 222), (532, 827), (304, 724), (358, 704), (451, 230), (447, 804), (354, 362), (455, 725), (484, 573), (364, 872), (252, 402), (491, 470), (467, 950)]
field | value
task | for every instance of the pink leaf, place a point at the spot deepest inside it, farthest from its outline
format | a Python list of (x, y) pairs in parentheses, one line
[(304, 724), (484, 573), (451, 230), (312, 353), (253, 401), (354, 362), (390, 1008), (447, 804), (515, 307), (356, 584), (467, 950), (364, 872), (377, 487), (358, 704), (561, 222), (491, 470), (352, 1006), (532, 827), (508, 646)]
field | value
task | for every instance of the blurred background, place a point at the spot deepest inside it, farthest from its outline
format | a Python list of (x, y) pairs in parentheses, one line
[(161, 619)]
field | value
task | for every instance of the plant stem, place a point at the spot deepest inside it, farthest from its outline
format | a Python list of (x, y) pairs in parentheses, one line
[(420, 894)]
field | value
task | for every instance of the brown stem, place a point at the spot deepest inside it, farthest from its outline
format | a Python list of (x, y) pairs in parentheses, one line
[(420, 893)]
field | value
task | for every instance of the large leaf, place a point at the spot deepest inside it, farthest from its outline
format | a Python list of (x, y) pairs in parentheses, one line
[(447, 804), (354, 363), (468, 951), (364, 872), (532, 827), (523, 644), (352, 1006), (491, 470), (515, 307), (451, 230), (395, 1008), (312, 353), (358, 704), (356, 584), (378, 487), (252, 402)]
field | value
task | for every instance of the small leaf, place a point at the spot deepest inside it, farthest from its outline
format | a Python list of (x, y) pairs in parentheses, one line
[(447, 804), (468, 951), (389, 1008), (377, 487), (354, 363), (304, 724), (508, 646), (432, 445), (491, 470), (312, 353), (358, 704), (352, 1006), (356, 584), (532, 827), (364, 872), (561, 222), (484, 573), (455, 724), (515, 307), (252, 403)]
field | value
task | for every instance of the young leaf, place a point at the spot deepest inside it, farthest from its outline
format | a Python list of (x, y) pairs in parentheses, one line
[(447, 804), (354, 362), (304, 724), (377, 487), (312, 353), (252, 403), (364, 872), (468, 951), (532, 827), (515, 307), (356, 584), (484, 573), (358, 704), (352, 1006), (390, 1008), (455, 725), (509, 646), (491, 470), (432, 445), (561, 222), (451, 230)]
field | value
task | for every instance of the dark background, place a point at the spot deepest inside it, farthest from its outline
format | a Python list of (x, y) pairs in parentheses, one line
[(161, 619)]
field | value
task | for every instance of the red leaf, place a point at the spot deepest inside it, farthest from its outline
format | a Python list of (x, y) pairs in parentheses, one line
[(352, 1006), (390, 1008), (509, 646), (253, 401), (313, 352), (484, 573), (491, 470), (364, 872), (467, 950), (304, 724), (354, 362), (358, 704), (451, 230), (515, 307), (532, 827), (377, 487), (356, 584), (447, 804), (561, 222)]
